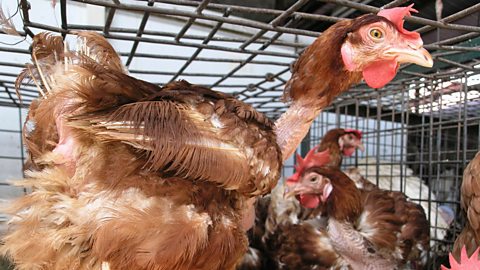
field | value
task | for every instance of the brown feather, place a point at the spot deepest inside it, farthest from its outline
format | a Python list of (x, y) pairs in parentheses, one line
[(379, 211), (303, 246), (6, 24), (470, 202), (399, 215), (468, 239), (330, 142), (325, 60), (97, 47)]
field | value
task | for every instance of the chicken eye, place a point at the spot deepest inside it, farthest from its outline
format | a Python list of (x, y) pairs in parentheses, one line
[(314, 179), (376, 33)]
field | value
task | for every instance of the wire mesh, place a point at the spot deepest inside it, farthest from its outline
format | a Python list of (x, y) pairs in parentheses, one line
[(253, 42), (418, 139), (423, 126)]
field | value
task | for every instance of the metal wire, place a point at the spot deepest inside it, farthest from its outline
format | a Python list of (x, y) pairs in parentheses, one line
[(283, 23), (435, 140)]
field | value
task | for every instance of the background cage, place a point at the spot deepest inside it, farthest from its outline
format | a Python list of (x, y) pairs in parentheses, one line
[(421, 128)]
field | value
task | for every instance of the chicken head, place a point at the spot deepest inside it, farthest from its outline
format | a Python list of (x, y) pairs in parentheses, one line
[(311, 189), (351, 140), (378, 48)]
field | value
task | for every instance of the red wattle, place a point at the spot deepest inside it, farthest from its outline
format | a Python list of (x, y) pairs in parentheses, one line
[(379, 73), (348, 151), (309, 200)]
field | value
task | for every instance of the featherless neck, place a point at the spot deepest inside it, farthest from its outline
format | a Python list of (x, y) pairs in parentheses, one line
[(318, 76), (293, 125), (354, 248)]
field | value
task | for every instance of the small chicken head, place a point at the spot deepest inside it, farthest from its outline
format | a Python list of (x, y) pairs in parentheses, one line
[(377, 45), (312, 188), (465, 263), (351, 140)]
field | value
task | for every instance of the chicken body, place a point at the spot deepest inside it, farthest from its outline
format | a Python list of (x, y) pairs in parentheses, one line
[(373, 229), (133, 176), (412, 186)]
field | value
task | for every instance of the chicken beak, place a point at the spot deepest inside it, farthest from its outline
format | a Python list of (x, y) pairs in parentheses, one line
[(418, 56), (292, 190), (361, 147)]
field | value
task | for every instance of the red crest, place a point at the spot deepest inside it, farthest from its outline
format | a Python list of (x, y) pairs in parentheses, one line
[(396, 15), (465, 263), (312, 159)]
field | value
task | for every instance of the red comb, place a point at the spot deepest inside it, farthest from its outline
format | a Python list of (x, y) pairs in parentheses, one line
[(396, 15), (465, 263), (357, 132), (312, 159)]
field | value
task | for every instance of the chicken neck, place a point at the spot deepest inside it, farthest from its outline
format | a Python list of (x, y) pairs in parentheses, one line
[(293, 125), (355, 249), (318, 76)]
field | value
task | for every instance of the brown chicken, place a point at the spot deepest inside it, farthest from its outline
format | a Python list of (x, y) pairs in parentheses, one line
[(340, 142), (374, 229), (128, 175), (337, 142), (470, 202), (370, 47)]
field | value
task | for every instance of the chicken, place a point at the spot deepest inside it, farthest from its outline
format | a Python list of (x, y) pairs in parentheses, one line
[(470, 202), (283, 211), (335, 144), (370, 47), (373, 229), (341, 142), (128, 175), (286, 233)]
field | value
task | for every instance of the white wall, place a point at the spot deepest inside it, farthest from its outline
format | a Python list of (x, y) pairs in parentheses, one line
[(10, 151)]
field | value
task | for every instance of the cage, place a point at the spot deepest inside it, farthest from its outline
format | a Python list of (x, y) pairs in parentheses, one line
[(420, 131), (418, 140)]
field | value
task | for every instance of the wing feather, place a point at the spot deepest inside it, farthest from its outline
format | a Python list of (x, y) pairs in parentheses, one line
[(97, 48), (177, 140), (181, 129)]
